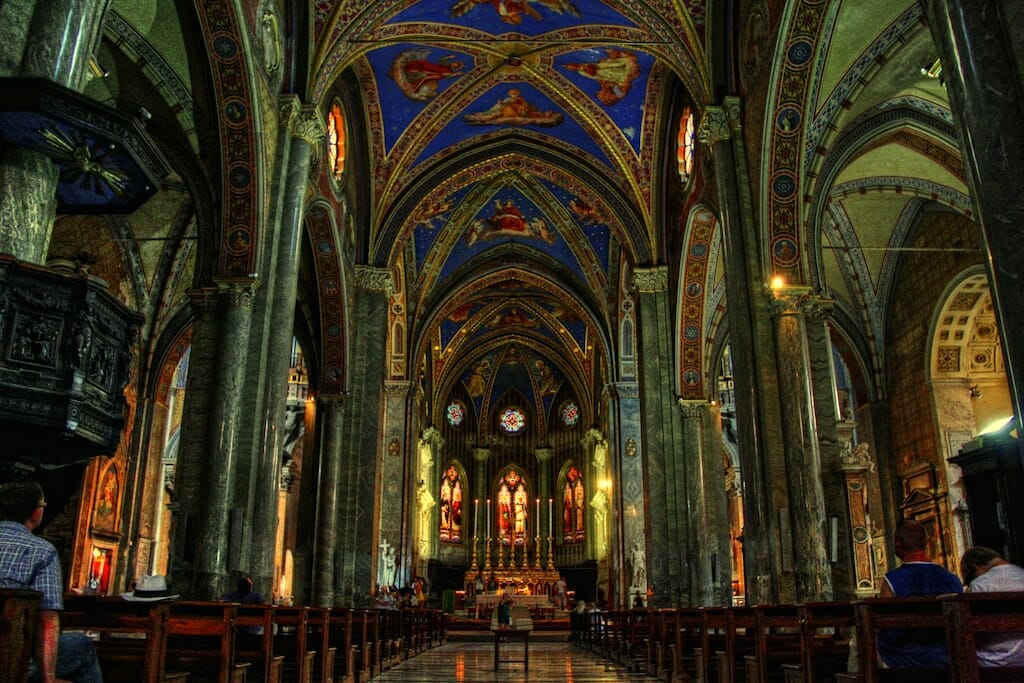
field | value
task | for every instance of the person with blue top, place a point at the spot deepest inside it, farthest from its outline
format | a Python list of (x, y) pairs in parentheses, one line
[(916, 576)]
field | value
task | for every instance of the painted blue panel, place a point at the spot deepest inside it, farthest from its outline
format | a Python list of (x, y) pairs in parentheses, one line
[(574, 325), (527, 17), (593, 224), (544, 116), (451, 325), (615, 78), (408, 76), (430, 224)]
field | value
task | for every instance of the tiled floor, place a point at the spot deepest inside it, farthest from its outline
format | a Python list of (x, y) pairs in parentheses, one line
[(473, 662)]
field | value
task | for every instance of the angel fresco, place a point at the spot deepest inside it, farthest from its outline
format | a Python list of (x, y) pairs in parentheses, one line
[(514, 110), (587, 214), (614, 74), (418, 77), (512, 11), (508, 220)]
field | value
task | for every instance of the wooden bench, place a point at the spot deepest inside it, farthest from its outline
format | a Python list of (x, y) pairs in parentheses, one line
[(201, 641), (319, 638), (291, 640), (19, 613), (340, 639), (902, 614), (973, 618), (254, 642)]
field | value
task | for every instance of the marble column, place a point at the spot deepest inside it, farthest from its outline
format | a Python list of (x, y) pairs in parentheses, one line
[(219, 527), (668, 565), (630, 494), (544, 456), (481, 485), (357, 541), (51, 40), (395, 478), (807, 533), (330, 414), (751, 339), (711, 564), (301, 132), (981, 53)]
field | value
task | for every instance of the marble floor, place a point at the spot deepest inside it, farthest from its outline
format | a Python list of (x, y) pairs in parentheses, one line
[(473, 662)]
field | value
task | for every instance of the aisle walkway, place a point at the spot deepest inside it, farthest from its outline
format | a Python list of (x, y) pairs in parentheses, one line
[(473, 662)]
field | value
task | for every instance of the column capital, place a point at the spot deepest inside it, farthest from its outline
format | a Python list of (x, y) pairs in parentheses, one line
[(203, 300), (649, 280), (799, 300), (543, 453), (238, 293), (691, 408), (302, 121), (592, 438), (433, 437), (375, 279), (620, 390), (714, 126), (397, 389), (481, 454)]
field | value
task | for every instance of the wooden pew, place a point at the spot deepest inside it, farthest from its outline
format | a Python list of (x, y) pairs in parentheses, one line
[(727, 635), (970, 620), (292, 641), (19, 612), (340, 639), (687, 631), (825, 641), (130, 637), (254, 642), (362, 638), (201, 641), (319, 639), (909, 614), (777, 641)]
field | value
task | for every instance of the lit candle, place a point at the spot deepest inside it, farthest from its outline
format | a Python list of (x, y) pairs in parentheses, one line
[(538, 517), (549, 516), (487, 531), (476, 517)]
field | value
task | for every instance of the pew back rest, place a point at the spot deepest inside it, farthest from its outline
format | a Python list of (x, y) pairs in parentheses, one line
[(130, 637), (19, 611)]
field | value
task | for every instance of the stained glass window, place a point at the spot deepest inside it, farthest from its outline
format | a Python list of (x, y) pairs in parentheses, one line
[(451, 506), (336, 141), (456, 413), (570, 413), (685, 145), (573, 507), (513, 510), (512, 420)]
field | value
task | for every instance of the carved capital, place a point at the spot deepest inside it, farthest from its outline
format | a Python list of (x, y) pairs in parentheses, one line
[(621, 390), (302, 121), (433, 437), (800, 300), (592, 438), (543, 454), (690, 408), (238, 293), (203, 301), (481, 454), (397, 389), (714, 126), (375, 279), (651, 279)]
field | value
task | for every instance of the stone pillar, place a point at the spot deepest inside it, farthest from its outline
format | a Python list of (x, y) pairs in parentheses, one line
[(982, 56), (481, 484), (544, 492), (759, 433), (331, 414), (219, 523), (51, 40), (667, 562), (807, 533), (393, 477), (301, 132), (357, 539), (629, 495), (711, 566)]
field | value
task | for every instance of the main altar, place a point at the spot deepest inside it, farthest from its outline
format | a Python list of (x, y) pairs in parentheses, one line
[(516, 570)]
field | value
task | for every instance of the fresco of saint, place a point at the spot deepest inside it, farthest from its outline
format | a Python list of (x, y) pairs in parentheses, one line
[(418, 77), (614, 74), (513, 109), (512, 11)]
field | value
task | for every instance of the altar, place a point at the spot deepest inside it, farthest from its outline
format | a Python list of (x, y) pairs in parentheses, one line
[(528, 601)]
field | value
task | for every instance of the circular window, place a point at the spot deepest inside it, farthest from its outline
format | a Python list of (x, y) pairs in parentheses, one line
[(512, 420), (456, 413), (570, 413), (336, 141)]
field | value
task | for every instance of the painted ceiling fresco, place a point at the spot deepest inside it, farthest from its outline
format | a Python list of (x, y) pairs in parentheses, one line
[(511, 132)]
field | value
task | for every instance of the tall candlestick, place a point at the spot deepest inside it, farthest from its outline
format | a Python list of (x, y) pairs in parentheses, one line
[(549, 516), (487, 531), (476, 517)]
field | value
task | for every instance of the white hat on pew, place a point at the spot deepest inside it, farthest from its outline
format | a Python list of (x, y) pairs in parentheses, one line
[(151, 589)]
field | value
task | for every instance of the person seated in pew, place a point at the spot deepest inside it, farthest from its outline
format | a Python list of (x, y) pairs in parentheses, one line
[(916, 576), (245, 595), (985, 571), (31, 563)]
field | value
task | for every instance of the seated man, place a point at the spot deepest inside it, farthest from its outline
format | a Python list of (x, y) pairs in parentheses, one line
[(30, 563), (917, 576), (985, 571)]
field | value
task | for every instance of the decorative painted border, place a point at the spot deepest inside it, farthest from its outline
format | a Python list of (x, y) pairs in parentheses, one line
[(331, 290)]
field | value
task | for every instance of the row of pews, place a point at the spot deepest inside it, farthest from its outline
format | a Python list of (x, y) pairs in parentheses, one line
[(810, 643), (214, 642)]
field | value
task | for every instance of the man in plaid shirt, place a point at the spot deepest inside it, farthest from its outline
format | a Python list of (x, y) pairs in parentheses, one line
[(29, 562)]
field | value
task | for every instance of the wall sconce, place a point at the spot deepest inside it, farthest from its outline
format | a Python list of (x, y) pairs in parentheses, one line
[(975, 391)]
